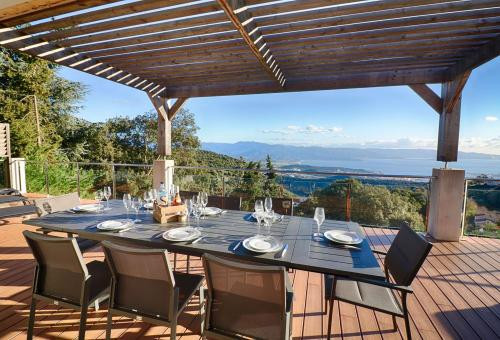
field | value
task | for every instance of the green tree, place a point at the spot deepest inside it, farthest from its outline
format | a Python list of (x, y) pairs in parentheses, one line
[(21, 77)]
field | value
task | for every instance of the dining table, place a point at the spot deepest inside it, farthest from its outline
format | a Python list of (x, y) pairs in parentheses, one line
[(222, 235)]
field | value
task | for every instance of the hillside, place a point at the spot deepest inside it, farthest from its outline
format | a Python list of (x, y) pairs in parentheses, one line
[(290, 153)]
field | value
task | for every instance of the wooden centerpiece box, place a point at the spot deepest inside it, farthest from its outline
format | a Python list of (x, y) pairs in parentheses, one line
[(169, 213)]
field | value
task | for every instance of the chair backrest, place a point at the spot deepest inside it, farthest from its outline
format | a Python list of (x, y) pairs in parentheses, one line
[(143, 281), (54, 204), (60, 267), (231, 203), (245, 299), (406, 255)]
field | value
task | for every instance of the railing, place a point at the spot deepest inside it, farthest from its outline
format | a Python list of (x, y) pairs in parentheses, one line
[(370, 199)]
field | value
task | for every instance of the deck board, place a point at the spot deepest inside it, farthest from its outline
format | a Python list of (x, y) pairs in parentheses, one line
[(457, 294)]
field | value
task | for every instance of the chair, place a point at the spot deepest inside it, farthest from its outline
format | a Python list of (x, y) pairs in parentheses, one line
[(60, 203), (143, 285), (403, 261), (222, 202), (54, 204), (246, 300), (61, 277)]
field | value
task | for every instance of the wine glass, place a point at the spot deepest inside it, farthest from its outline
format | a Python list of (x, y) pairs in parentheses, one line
[(107, 194), (189, 208), (268, 221), (98, 197), (126, 203), (319, 217), (136, 205), (197, 211), (259, 210), (268, 204), (203, 200)]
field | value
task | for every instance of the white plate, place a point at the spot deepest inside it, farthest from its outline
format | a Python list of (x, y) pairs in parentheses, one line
[(148, 205), (86, 207), (181, 234), (211, 211), (262, 244), (114, 225), (344, 237)]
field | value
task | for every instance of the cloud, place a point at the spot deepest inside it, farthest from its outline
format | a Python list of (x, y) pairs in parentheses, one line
[(309, 129), (490, 118), (402, 143)]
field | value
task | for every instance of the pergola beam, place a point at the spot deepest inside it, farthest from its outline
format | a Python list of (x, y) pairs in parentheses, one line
[(480, 56), (165, 115), (238, 14), (449, 120), (429, 96)]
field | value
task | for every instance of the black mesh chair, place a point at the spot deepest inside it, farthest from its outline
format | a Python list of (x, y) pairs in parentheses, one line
[(403, 260), (247, 301), (62, 278), (143, 285)]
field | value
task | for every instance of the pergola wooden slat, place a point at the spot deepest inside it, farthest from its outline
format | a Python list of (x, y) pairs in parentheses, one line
[(183, 48)]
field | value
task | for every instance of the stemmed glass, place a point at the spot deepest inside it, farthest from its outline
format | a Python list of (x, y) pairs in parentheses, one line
[(319, 217), (203, 196), (136, 205), (259, 211), (197, 211), (268, 204), (148, 198), (107, 194), (189, 208), (268, 221), (127, 203), (98, 197)]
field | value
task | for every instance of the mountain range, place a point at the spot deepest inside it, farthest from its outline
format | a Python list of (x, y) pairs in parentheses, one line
[(291, 153)]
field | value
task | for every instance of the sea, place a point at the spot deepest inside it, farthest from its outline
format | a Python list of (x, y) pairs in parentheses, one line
[(417, 167)]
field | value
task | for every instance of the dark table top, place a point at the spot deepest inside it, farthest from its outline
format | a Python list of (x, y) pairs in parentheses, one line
[(222, 233)]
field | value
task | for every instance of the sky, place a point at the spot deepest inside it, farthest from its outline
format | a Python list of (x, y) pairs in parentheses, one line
[(392, 117)]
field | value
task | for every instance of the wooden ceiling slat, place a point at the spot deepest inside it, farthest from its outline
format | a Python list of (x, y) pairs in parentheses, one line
[(102, 14), (99, 40), (296, 5), (186, 43), (140, 19), (329, 25), (50, 12), (328, 18)]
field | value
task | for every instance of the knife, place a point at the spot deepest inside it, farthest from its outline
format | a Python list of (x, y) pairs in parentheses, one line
[(237, 246), (283, 251), (197, 240)]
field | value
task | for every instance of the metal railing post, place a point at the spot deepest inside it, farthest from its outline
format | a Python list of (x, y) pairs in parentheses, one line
[(113, 178), (223, 186), (348, 202), (78, 178), (46, 172)]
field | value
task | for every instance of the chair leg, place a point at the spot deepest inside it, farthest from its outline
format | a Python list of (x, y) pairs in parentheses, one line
[(202, 310), (394, 322), (407, 325), (173, 329), (83, 323), (109, 324), (175, 261), (330, 317), (187, 265), (31, 321)]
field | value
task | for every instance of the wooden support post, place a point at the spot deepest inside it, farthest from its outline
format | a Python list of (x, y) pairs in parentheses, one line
[(165, 115), (449, 120)]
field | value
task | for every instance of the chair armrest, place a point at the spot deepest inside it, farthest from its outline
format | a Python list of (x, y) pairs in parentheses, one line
[(289, 293), (381, 252), (390, 285)]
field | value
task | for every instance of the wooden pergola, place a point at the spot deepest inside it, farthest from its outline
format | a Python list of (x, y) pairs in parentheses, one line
[(180, 48)]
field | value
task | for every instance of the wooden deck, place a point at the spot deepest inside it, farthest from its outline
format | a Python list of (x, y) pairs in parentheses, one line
[(457, 295)]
